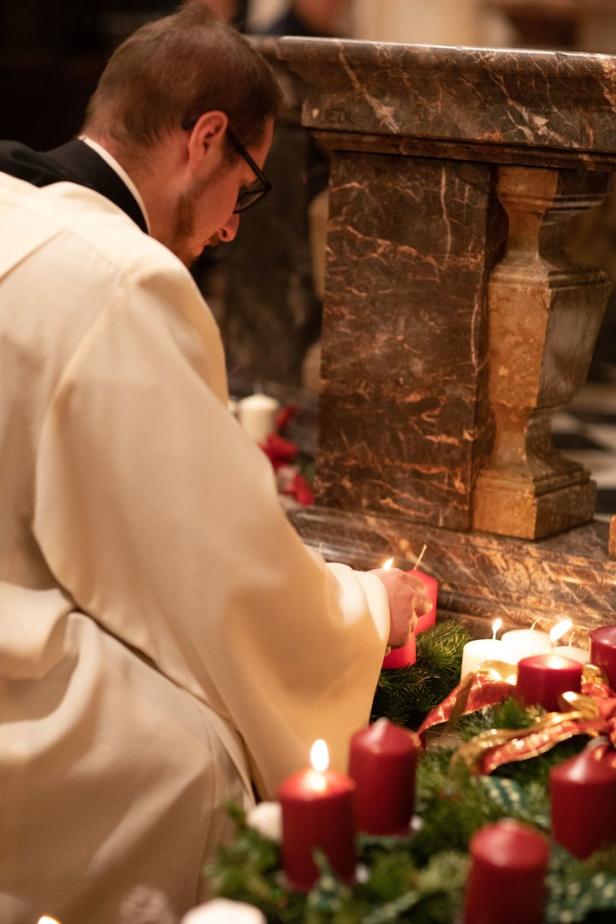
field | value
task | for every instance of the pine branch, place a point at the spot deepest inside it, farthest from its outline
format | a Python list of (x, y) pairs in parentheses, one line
[(406, 696)]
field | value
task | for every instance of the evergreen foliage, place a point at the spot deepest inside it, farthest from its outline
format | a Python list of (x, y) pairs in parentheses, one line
[(420, 878), (407, 695)]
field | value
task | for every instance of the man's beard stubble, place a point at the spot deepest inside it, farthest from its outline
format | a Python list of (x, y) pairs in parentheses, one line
[(184, 220)]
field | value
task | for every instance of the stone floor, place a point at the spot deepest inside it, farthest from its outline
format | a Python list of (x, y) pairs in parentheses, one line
[(586, 432)]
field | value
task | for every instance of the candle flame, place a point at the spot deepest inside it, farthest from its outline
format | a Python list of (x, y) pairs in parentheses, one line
[(387, 564), (497, 625), (47, 920), (561, 628), (319, 756)]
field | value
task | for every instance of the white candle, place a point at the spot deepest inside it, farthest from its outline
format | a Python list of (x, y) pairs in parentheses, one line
[(523, 643), (257, 415), (266, 818), (475, 653), (222, 911), (571, 651), (483, 649)]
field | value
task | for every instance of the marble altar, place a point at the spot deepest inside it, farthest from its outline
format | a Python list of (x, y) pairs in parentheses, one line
[(456, 318)]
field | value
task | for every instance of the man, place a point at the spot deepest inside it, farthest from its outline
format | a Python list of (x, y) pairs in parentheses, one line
[(166, 640)]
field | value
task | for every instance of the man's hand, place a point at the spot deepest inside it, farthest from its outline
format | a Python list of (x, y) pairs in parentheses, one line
[(407, 601)]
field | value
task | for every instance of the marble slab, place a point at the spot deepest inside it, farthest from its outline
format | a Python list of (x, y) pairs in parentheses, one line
[(556, 103), (482, 576)]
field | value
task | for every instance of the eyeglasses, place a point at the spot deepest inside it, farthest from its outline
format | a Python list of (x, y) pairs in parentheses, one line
[(248, 195)]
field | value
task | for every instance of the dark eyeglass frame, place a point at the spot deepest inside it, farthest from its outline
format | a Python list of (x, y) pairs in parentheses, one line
[(249, 195)]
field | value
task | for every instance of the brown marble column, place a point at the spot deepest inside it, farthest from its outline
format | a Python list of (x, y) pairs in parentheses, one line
[(455, 174), (456, 321), (544, 316), (404, 413)]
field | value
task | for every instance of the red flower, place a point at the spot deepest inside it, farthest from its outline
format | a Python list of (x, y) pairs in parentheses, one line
[(301, 491), (278, 450), (284, 416)]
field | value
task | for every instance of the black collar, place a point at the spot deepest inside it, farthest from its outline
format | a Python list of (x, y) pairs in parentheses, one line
[(79, 163)]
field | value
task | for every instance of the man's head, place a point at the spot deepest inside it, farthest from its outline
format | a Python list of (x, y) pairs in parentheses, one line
[(180, 104)]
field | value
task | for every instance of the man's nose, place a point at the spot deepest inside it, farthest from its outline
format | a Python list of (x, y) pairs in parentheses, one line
[(228, 231)]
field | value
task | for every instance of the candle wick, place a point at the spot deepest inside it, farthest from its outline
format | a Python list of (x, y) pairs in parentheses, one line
[(421, 555)]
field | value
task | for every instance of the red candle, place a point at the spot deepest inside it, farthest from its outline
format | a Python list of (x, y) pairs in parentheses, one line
[(542, 678), (403, 656), (506, 881), (431, 587), (583, 797), (382, 764), (317, 811), (603, 651)]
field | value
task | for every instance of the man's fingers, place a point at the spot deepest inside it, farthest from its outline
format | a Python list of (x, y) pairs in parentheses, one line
[(422, 605)]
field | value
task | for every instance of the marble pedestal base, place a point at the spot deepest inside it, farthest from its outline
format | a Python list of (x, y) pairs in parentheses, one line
[(481, 576), (518, 508)]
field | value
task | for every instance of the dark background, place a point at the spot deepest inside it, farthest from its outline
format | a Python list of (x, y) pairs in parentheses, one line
[(51, 55)]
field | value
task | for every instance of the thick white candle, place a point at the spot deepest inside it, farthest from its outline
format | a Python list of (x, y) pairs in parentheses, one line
[(223, 911), (257, 415), (571, 651), (483, 649), (523, 643)]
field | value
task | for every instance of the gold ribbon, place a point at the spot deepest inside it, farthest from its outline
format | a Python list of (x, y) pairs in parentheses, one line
[(591, 712)]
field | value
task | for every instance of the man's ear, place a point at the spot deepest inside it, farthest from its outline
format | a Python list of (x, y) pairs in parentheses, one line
[(206, 137)]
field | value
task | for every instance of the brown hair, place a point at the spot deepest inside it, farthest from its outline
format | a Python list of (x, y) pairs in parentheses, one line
[(178, 67)]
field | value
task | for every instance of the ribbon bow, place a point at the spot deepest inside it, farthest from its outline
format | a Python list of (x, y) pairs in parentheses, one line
[(591, 712)]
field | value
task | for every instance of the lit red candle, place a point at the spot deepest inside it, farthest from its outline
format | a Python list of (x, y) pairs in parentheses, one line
[(317, 812), (603, 651), (583, 798), (406, 654), (382, 764), (542, 679), (403, 656), (506, 882)]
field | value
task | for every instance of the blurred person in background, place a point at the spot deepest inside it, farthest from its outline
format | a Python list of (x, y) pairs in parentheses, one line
[(328, 18), (271, 320)]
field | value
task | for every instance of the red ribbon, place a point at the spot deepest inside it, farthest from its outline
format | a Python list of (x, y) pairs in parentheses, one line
[(591, 712)]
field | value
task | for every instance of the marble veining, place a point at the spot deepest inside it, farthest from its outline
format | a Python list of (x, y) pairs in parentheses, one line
[(403, 351), (539, 99), (482, 575)]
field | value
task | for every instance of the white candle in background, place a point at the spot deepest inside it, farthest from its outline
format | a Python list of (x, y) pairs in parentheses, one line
[(223, 911), (257, 415), (523, 643), (484, 649), (570, 651)]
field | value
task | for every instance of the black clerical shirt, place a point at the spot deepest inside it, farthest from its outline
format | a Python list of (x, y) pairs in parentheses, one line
[(74, 162)]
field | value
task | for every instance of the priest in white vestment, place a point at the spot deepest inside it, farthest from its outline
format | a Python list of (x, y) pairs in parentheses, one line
[(167, 642)]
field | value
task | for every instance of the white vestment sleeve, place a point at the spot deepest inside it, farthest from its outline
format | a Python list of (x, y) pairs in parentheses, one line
[(159, 517)]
